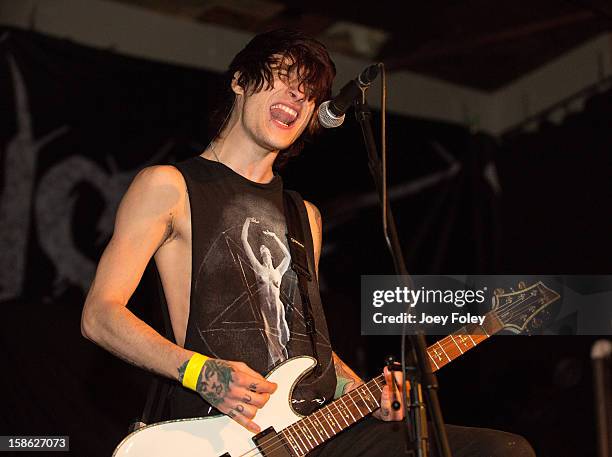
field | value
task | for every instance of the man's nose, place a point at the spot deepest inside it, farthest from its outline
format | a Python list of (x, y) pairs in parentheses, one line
[(296, 94)]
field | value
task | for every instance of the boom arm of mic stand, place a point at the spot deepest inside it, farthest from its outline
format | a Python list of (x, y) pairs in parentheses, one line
[(428, 378)]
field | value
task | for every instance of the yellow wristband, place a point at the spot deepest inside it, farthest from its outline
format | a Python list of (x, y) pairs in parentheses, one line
[(192, 372)]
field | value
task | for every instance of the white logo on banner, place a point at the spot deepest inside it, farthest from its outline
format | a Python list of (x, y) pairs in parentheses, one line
[(53, 201)]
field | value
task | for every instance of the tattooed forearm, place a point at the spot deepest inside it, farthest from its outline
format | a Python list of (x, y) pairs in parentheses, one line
[(346, 379), (181, 371)]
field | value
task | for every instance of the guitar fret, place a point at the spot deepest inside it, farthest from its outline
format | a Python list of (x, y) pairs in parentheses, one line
[(304, 429), (333, 416), (351, 395), (300, 438), (316, 430), (453, 339), (474, 343), (291, 439), (373, 397), (432, 359), (325, 414), (464, 341), (364, 402), (340, 412), (315, 414), (442, 347), (348, 408)]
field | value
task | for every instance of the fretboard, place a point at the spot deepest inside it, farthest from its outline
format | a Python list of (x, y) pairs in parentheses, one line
[(311, 431)]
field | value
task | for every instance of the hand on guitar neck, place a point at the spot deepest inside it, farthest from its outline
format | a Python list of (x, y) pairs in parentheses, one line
[(234, 389), (391, 393)]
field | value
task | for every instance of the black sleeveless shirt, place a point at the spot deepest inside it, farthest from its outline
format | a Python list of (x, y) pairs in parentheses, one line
[(245, 301)]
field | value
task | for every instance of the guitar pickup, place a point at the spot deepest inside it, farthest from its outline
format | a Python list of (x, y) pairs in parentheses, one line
[(271, 444)]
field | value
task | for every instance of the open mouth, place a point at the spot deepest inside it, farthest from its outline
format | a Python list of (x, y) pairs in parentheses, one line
[(283, 114)]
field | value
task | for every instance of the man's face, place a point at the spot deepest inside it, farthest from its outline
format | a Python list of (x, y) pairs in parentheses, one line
[(274, 118)]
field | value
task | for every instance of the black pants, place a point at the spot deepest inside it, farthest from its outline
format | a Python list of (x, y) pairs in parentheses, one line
[(374, 438)]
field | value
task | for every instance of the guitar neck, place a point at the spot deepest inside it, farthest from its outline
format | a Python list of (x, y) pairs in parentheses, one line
[(325, 423)]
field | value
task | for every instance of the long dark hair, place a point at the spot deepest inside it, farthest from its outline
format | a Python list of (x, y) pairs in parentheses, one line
[(287, 53)]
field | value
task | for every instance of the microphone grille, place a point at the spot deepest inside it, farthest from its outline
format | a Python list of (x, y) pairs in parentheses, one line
[(327, 119)]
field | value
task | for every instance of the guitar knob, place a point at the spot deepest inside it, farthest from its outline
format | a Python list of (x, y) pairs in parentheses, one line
[(521, 285), (498, 291)]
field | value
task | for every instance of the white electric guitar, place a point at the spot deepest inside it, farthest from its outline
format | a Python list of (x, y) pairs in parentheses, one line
[(287, 434)]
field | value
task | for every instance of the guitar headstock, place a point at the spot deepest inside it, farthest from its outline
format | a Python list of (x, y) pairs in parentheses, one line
[(524, 310)]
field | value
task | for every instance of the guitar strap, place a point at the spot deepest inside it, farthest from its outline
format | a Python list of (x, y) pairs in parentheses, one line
[(300, 245)]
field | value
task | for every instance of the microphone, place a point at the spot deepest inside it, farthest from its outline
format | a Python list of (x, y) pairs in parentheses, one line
[(331, 112)]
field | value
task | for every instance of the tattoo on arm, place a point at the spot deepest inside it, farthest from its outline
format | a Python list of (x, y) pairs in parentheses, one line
[(346, 379), (181, 371)]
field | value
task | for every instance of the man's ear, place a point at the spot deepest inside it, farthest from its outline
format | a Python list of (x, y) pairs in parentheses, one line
[(237, 88)]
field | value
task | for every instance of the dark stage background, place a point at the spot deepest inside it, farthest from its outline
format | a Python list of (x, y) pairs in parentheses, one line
[(76, 126)]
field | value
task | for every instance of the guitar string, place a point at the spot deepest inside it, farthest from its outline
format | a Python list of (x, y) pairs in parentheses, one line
[(446, 343), (277, 442), (508, 308), (374, 381), (509, 312)]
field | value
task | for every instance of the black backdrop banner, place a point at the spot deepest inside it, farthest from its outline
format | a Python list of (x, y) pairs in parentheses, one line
[(77, 124)]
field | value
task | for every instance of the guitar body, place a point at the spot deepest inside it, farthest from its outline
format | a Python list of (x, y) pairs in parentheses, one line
[(216, 435)]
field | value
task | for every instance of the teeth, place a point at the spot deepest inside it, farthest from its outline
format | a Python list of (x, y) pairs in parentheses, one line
[(286, 109)]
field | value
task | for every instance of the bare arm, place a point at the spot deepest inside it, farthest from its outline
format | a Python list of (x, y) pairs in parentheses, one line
[(316, 229), (144, 222)]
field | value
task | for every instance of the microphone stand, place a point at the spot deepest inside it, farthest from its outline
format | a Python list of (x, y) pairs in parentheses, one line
[(423, 375)]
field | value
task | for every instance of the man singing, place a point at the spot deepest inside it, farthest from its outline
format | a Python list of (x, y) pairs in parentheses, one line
[(236, 311)]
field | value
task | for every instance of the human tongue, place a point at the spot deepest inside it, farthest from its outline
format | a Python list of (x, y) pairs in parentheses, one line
[(282, 116)]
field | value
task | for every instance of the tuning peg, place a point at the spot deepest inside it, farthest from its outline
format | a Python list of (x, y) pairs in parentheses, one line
[(498, 291), (521, 285)]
